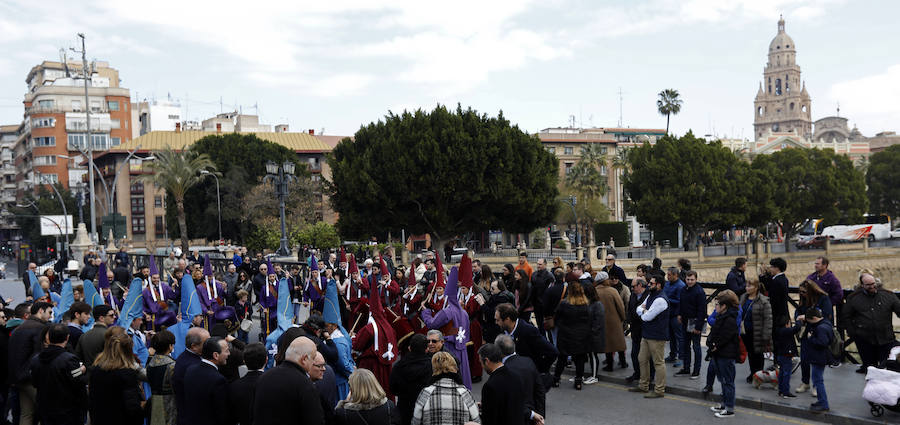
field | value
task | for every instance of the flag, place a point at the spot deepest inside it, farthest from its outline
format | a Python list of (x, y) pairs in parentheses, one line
[(133, 307), (285, 307), (66, 298)]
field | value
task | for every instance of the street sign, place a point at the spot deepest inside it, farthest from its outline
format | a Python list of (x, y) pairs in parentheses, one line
[(56, 225), (116, 222)]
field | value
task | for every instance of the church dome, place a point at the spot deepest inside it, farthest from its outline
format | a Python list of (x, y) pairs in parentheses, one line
[(782, 41)]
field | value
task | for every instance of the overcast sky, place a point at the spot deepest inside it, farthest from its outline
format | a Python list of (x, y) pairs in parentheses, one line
[(341, 64)]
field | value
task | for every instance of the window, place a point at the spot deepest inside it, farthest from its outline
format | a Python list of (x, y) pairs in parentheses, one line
[(604, 149), (157, 201), (116, 141), (99, 141), (137, 225), (44, 141), (95, 106), (76, 140), (759, 111), (313, 163), (115, 124), (569, 167), (45, 104), (76, 105), (43, 122), (803, 108), (138, 188), (45, 160), (137, 205), (551, 149), (602, 170), (174, 117), (48, 179), (778, 87), (112, 105), (568, 150), (791, 106), (158, 226)]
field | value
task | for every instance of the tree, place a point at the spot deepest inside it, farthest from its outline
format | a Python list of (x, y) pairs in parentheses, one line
[(812, 183), (686, 181), (444, 173), (883, 179), (321, 235), (176, 172), (668, 103), (45, 202), (585, 177)]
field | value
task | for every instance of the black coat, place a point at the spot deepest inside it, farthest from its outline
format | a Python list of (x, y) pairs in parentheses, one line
[(24, 342), (540, 281), (532, 385), (284, 394), (634, 320), (778, 296), (115, 397), (385, 414), (91, 344), (502, 401), (240, 397), (205, 398), (551, 298), (573, 323), (184, 361), (723, 336), (60, 383), (598, 327), (530, 343), (409, 376)]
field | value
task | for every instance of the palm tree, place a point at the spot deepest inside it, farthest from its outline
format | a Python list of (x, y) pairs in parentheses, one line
[(176, 172), (668, 104)]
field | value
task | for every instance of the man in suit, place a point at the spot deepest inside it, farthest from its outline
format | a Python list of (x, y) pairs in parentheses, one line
[(285, 392), (533, 388), (529, 341), (778, 288), (241, 392), (502, 401), (205, 386), (193, 343), (410, 375)]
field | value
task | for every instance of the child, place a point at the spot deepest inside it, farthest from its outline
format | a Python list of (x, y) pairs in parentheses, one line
[(785, 350), (819, 334), (242, 310)]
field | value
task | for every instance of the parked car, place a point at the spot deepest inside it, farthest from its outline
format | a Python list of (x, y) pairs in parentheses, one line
[(817, 241)]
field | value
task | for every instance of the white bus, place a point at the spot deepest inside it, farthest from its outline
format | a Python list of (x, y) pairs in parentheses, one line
[(876, 228)]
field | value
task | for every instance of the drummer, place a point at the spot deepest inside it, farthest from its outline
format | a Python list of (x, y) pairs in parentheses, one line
[(243, 311)]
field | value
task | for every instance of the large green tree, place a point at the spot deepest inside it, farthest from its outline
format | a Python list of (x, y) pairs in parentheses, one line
[(812, 183), (688, 181), (883, 179), (442, 172), (176, 172)]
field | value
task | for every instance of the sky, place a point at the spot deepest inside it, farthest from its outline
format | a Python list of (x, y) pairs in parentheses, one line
[(335, 66)]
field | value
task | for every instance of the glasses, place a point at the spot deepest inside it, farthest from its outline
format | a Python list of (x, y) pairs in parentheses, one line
[(319, 365), (111, 314), (433, 341)]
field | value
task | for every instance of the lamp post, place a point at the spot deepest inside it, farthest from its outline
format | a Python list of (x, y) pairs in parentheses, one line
[(281, 175), (572, 201), (65, 213), (219, 203)]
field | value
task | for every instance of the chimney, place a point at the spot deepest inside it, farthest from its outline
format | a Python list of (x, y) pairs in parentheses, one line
[(218, 128), (178, 127), (281, 128), (312, 132)]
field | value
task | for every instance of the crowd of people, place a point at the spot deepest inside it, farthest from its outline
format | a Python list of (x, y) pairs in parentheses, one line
[(347, 340)]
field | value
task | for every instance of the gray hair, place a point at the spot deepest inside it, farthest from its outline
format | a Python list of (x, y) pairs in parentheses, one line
[(195, 337), (436, 332), (506, 344), (300, 347)]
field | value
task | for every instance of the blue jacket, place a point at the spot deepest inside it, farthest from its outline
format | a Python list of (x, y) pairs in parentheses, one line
[(740, 317), (344, 366), (658, 327), (818, 338), (693, 306), (736, 281), (673, 292)]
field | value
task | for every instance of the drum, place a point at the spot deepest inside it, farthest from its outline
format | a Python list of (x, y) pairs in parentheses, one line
[(246, 325)]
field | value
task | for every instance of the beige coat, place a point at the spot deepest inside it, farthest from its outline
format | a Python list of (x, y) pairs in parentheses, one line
[(615, 316)]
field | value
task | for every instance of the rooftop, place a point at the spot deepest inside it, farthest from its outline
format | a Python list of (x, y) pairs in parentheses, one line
[(178, 140)]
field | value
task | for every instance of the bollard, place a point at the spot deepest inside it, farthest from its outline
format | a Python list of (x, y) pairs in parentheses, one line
[(579, 253), (866, 245), (657, 253), (828, 246), (700, 252)]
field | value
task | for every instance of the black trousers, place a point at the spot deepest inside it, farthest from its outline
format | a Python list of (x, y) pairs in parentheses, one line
[(872, 354), (754, 359)]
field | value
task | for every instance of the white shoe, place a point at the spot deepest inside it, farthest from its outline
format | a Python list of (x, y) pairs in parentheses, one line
[(814, 393), (590, 380), (802, 388), (718, 408)]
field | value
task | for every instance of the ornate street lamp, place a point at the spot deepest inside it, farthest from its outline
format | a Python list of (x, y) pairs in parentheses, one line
[(280, 176)]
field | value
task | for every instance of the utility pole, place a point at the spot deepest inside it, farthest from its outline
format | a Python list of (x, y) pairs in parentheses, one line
[(90, 144), (620, 106)]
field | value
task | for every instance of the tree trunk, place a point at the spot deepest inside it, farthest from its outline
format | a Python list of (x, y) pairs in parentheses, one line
[(182, 225), (667, 123)]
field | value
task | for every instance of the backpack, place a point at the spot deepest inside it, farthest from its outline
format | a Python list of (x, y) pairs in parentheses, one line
[(836, 346)]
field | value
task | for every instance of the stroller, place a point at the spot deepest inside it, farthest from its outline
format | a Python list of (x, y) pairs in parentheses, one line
[(882, 389)]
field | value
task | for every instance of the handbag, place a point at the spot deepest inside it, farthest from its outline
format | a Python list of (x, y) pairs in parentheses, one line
[(549, 322), (742, 353)]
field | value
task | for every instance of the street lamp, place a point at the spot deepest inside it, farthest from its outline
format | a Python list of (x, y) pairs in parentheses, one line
[(572, 201), (281, 175), (218, 200), (65, 213)]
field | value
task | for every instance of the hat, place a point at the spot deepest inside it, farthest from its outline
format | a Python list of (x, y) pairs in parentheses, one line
[(384, 269), (601, 276), (343, 257), (154, 270), (352, 267), (313, 264), (207, 267), (332, 308), (269, 268), (237, 260), (412, 276), (102, 278), (465, 272), (440, 270)]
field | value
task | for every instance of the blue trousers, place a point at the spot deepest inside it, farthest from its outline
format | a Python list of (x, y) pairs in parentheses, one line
[(817, 373), (725, 373), (691, 340), (784, 373), (676, 339)]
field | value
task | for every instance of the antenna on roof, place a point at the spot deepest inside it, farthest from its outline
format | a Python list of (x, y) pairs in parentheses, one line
[(620, 106), (62, 58)]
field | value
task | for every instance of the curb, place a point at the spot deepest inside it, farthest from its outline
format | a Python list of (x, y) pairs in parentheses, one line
[(765, 405)]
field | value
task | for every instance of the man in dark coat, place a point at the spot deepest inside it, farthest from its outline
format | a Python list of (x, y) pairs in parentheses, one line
[(241, 392), (91, 343), (551, 298), (205, 389), (285, 392), (410, 375), (541, 279), (502, 401), (59, 378), (736, 281), (24, 343), (639, 293), (193, 343), (533, 388), (778, 288), (529, 341)]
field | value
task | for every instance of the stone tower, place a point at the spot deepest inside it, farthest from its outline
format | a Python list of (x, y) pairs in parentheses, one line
[(782, 103)]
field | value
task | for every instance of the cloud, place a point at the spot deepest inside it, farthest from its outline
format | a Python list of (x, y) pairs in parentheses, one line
[(871, 101)]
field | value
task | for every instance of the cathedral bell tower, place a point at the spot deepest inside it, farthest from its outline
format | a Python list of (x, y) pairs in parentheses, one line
[(782, 103)]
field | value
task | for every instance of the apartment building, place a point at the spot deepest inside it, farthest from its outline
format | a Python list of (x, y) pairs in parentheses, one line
[(8, 136)]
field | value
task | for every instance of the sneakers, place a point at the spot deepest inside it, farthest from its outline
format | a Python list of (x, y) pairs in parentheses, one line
[(671, 359), (631, 379), (802, 388), (718, 408), (818, 408), (654, 394), (590, 380), (788, 395), (707, 390), (725, 414), (683, 372), (695, 376), (814, 393)]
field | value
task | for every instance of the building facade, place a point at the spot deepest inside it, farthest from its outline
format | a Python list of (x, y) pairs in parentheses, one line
[(8, 136), (154, 115), (782, 103), (53, 139)]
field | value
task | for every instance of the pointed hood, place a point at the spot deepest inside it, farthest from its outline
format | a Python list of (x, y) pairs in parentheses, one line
[(385, 340), (332, 308), (456, 312), (313, 264), (66, 299), (343, 257), (36, 290), (133, 307), (91, 296), (102, 278), (439, 266), (384, 268), (411, 281), (190, 303), (351, 266), (154, 270), (207, 268), (269, 268), (452, 288), (465, 272), (285, 309)]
